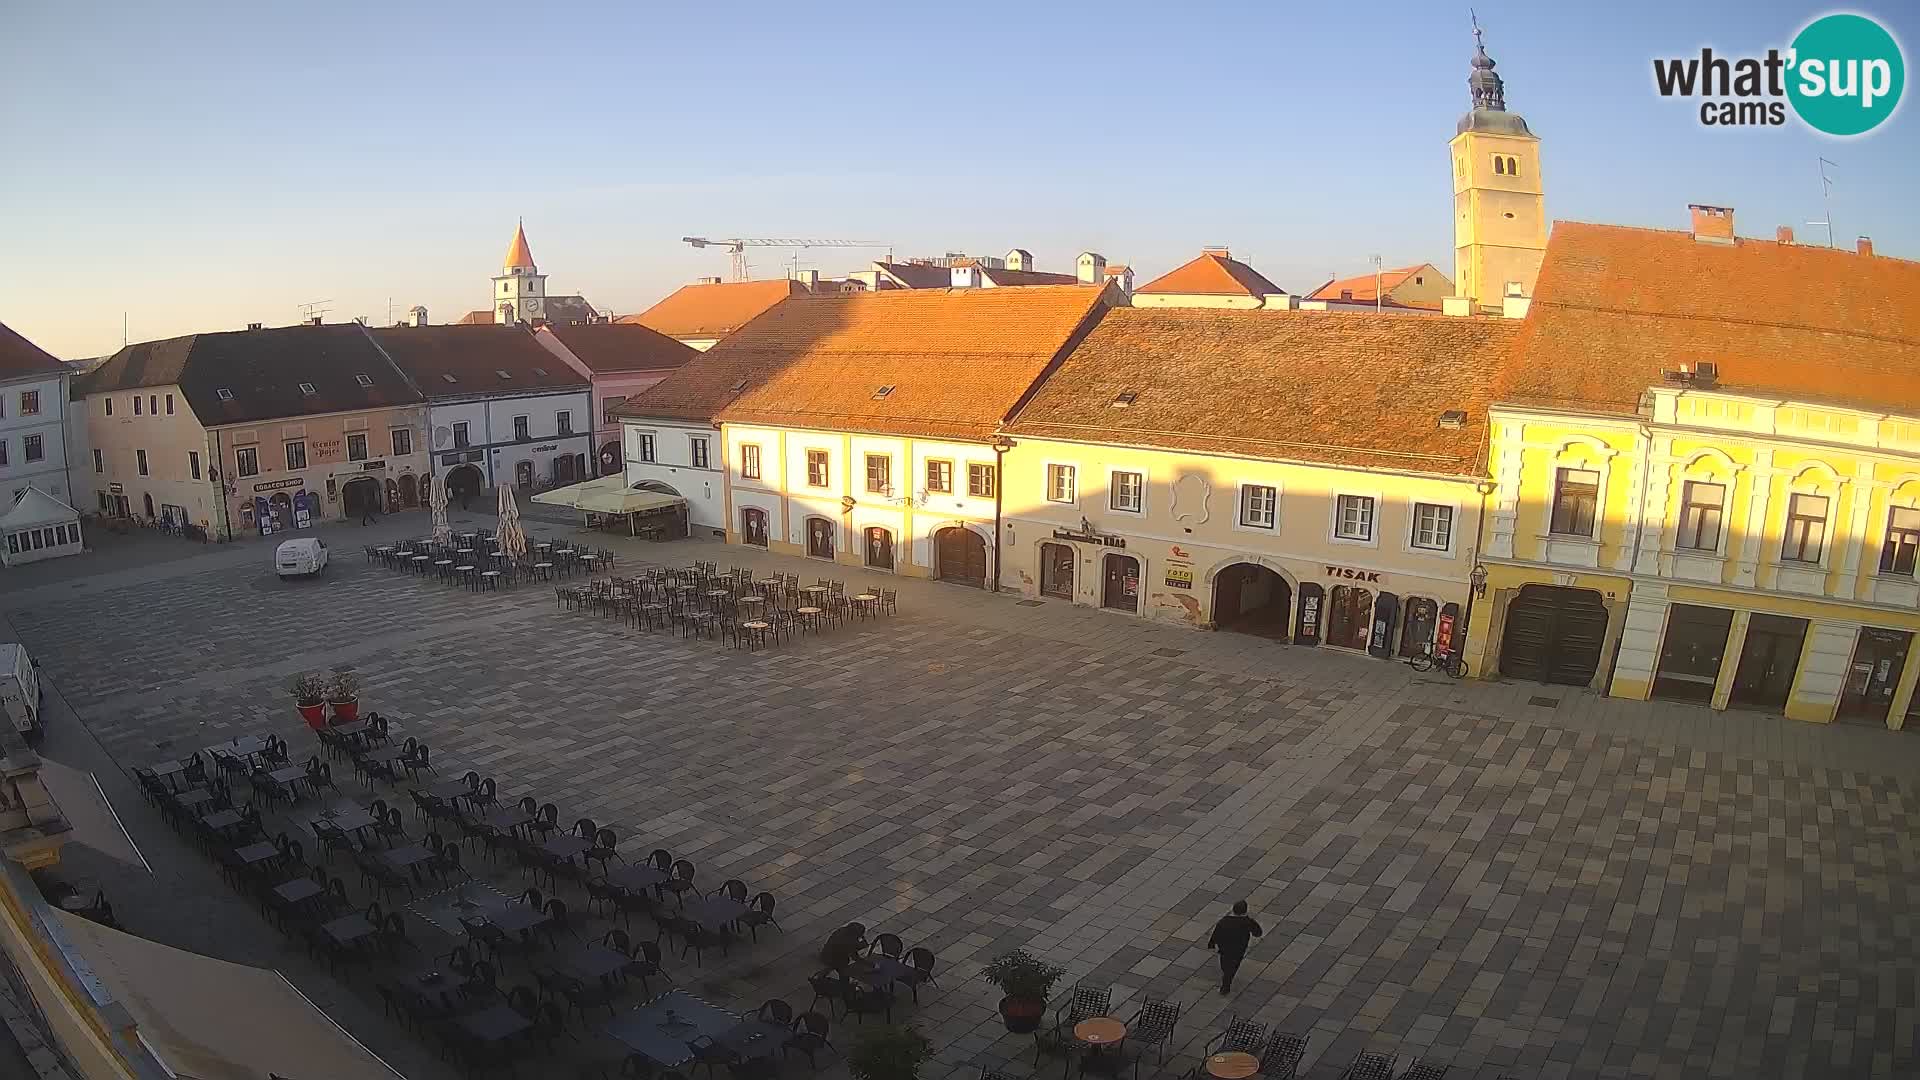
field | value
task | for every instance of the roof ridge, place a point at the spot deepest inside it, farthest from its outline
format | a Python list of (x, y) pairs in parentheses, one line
[(1731, 320), (1739, 241)]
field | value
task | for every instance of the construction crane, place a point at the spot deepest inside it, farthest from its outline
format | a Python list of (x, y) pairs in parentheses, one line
[(737, 247)]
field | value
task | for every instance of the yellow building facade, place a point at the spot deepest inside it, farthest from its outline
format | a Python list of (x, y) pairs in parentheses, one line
[(1727, 548)]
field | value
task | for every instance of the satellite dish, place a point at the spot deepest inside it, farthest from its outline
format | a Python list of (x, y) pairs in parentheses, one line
[(442, 435)]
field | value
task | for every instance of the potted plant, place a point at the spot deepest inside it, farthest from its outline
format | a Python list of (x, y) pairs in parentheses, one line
[(343, 693), (310, 697), (1027, 981), (891, 1052)]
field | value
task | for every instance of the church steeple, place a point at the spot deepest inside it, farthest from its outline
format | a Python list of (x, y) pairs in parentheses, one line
[(1499, 215), (519, 289), (519, 256), (1484, 84)]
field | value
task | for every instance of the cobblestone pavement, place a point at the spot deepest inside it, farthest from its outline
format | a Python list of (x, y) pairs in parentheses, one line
[(1582, 887)]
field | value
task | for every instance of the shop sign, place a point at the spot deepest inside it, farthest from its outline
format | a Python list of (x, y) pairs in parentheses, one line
[(1133, 582), (372, 466), (276, 485), (1443, 634), (1307, 629), (474, 455), (1350, 574), (449, 459), (1180, 577), (1178, 552), (1090, 537), (550, 447), (326, 449), (117, 489)]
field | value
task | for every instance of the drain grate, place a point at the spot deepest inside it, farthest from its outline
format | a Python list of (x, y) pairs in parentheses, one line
[(1029, 603), (1169, 652), (1544, 702)]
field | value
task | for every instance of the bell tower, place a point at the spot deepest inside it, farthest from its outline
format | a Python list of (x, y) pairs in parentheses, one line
[(1499, 201), (520, 289)]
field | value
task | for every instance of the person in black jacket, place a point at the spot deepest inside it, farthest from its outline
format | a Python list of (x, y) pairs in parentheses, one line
[(1230, 938)]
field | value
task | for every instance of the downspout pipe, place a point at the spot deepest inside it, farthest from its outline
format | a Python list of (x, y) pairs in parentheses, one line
[(1000, 447)]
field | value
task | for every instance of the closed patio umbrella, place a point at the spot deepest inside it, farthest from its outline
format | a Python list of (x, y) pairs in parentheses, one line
[(513, 539), (437, 499)]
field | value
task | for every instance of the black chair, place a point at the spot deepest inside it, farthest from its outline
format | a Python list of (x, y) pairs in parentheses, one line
[(922, 961), (605, 849), (761, 914), (889, 945), (1281, 1059), (812, 1033), (646, 963), (1152, 1025), (582, 996), (1421, 1069), (1085, 1003), (733, 889), (393, 934), (1369, 1066), (698, 938), (681, 881), (559, 919), (861, 1000), (447, 863), (1241, 1036), (775, 1011), (381, 875)]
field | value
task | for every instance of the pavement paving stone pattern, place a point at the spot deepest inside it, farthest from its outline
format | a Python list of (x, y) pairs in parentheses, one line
[(1595, 889)]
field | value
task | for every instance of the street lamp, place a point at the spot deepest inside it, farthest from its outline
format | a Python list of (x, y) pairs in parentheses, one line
[(1478, 578)]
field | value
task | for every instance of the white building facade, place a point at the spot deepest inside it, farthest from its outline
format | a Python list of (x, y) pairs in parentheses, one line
[(678, 457), (532, 441), (33, 435)]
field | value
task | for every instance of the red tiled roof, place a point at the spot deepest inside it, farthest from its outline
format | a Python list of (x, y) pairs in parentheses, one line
[(1326, 387), (611, 347), (18, 356), (482, 317), (1212, 274), (474, 356), (1361, 286), (1615, 306), (713, 310)]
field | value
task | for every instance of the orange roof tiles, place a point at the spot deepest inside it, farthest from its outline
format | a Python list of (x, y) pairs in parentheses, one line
[(1324, 387), (481, 317), (1212, 274), (713, 310), (1614, 306), (518, 256), (1361, 286), (957, 359)]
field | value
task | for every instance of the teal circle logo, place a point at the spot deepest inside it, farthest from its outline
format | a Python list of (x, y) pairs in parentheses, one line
[(1847, 74)]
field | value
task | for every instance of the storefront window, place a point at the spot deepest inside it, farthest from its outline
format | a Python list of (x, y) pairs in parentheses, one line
[(1691, 653)]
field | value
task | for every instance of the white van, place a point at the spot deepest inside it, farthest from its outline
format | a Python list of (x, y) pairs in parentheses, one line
[(303, 556), (20, 696)]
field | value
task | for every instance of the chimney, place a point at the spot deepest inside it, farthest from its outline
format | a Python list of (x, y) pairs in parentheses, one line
[(808, 279), (706, 281), (1019, 259), (1712, 224), (964, 274), (1783, 235), (1219, 250), (1458, 307), (315, 321), (1091, 268), (1864, 245), (253, 326), (417, 315), (1121, 274)]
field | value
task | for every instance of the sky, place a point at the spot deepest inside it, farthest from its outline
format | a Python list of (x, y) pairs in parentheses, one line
[(196, 167)]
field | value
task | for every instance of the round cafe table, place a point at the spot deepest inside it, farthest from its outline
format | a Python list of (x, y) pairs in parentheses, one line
[(1232, 1065), (1100, 1031)]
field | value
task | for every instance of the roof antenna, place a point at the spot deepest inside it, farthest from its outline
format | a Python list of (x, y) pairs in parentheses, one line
[(1826, 204)]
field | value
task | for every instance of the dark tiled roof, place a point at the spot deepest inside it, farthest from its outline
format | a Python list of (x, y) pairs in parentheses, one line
[(1326, 387), (1616, 306), (1005, 278), (611, 347), (568, 310), (714, 309), (919, 275), (473, 357), (261, 371), (18, 356)]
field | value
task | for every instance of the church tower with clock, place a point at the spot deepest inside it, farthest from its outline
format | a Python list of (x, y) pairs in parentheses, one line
[(520, 289)]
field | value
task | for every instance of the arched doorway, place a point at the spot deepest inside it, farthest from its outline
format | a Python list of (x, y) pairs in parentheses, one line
[(1120, 587), (360, 495), (879, 549), (1416, 631), (820, 537), (753, 525), (280, 509), (426, 489), (1252, 599), (1554, 635), (1056, 571), (1349, 616), (148, 500), (409, 491), (564, 469), (393, 496), (464, 482), (960, 556), (609, 458), (523, 474)]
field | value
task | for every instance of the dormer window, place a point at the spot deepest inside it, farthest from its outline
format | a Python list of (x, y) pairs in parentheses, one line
[(502, 373), (540, 371), (1125, 398), (448, 378), (739, 385), (882, 393), (363, 380), (307, 390), (224, 394)]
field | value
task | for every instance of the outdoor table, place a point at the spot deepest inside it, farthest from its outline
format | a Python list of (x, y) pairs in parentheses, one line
[(567, 845), (863, 603), (811, 590), (348, 929), (465, 570), (507, 818), (637, 877), (243, 746), (882, 971), (352, 820), (715, 912), (420, 562), (758, 627), (221, 820), (386, 755), (256, 853), (753, 1038), (289, 777), (298, 891), (195, 797), (386, 549), (769, 582), (593, 961), (1232, 1065), (169, 771), (407, 857), (352, 729), (513, 917), (463, 551), (494, 1023), (587, 557), (441, 564), (1097, 1032), (718, 593), (811, 615), (661, 1029), (745, 600), (449, 790)]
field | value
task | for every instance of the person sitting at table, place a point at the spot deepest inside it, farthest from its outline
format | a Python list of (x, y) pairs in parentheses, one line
[(844, 948)]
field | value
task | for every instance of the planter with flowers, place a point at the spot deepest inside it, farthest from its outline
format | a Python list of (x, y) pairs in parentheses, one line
[(343, 693), (310, 697)]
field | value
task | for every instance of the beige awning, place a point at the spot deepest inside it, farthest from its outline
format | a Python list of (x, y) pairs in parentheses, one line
[(86, 808), (211, 1020), (607, 495)]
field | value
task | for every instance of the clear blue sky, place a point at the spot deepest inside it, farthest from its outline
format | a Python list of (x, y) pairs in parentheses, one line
[(200, 169)]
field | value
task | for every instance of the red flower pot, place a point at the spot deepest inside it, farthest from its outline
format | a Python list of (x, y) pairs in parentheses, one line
[(346, 712), (1022, 1015), (315, 714)]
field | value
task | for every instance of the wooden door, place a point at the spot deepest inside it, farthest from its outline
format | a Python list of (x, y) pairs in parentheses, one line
[(820, 538), (1056, 571), (879, 549), (1121, 588), (961, 557), (753, 526)]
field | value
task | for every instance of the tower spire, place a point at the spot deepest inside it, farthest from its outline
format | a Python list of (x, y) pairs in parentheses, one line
[(1484, 84), (519, 256)]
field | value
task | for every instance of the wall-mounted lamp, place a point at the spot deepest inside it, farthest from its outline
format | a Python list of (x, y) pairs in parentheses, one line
[(1001, 444), (1478, 579), (1485, 487)]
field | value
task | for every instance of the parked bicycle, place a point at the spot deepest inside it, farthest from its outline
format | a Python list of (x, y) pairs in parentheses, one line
[(1425, 660)]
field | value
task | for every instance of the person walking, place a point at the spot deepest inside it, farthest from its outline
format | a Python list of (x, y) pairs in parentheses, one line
[(368, 513), (1231, 936)]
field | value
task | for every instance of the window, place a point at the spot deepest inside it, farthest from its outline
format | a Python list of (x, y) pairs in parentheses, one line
[(1353, 517), (520, 429), (750, 461), (357, 447), (646, 446), (99, 462), (3, 451), (1128, 493), (817, 468), (879, 473), (34, 447), (1576, 492), (882, 393), (563, 421), (1259, 506), (1806, 528), (1060, 483), (193, 463), (224, 394), (1700, 504), (108, 402), (610, 407), (246, 461), (30, 403), (1903, 540), (402, 441), (980, 481), (140, 461), (698, 447), (460, 435), (153, 404), (169, 404), (297, 454), (363, 380), (136, 405), (940, 477), (1432, 526)]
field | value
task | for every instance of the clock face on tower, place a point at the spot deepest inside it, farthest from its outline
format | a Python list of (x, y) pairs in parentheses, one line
[(532, 306)]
